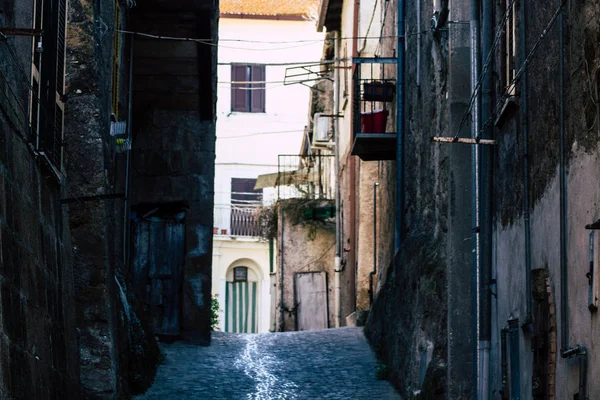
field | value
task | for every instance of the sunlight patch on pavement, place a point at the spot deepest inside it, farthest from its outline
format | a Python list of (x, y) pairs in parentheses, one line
[(258, 366)]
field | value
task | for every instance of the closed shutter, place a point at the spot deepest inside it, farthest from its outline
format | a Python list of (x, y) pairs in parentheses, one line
[(35, 117), (258, 89), (52, 82), (239, 96), (59, 107)]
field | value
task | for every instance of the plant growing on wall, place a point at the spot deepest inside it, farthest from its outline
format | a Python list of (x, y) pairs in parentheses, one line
[(214, 312)]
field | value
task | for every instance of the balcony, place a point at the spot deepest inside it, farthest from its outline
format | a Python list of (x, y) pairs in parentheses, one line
[(374, 101), (305, 177)]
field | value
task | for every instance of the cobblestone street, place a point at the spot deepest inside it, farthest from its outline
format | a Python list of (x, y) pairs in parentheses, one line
[(330, 364)]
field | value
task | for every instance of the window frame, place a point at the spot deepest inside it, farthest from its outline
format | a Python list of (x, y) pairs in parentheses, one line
[(240, 268), (246, 96)]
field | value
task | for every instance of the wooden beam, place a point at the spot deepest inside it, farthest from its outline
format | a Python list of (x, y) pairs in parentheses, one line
[(462, 140), (21, 32)]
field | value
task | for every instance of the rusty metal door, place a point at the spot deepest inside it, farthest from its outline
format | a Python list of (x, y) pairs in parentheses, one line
[(310, 293), (157, 266)]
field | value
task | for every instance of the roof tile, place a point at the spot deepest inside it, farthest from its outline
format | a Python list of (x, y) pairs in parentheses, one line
[(269, 7)]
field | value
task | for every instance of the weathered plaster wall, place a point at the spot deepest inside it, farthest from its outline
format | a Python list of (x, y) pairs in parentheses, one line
[(305, 248), (38, 340), (582, 196)]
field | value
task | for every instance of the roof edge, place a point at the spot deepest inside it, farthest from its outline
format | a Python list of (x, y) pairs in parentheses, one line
[(281, 17), (323, 7)]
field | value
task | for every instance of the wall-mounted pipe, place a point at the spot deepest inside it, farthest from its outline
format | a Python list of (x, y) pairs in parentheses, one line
[(338, 224), (515, 361), (579, 350), (374, 271), (126, 202), (524, 129), (504, 392), (475, 125), (399, 221), (564, 308), (281, 280), (485, 205)]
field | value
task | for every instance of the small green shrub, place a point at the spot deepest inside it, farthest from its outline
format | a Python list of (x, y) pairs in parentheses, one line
[(214, 312)]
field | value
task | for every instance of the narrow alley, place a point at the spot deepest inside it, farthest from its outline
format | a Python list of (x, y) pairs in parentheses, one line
[(327, 364)]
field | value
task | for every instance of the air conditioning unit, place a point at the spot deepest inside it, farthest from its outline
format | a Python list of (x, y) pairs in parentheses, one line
[(320, 128)]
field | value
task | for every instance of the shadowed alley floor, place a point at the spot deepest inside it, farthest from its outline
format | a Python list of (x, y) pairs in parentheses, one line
[(328, 364)]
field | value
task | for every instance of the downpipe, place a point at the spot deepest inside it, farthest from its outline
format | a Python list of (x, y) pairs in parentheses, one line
[(281, 280), (338, 224), (374, 271), (476, 266), (526, 217), (504, 392), (485, 207), (579, 350)]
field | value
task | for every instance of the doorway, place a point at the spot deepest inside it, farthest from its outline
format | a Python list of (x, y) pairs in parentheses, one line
[(310, 293)]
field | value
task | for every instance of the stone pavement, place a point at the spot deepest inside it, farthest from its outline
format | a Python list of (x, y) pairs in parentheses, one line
[(328, 364)]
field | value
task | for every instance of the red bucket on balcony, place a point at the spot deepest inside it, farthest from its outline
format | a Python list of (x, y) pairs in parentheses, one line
[(374, 121)]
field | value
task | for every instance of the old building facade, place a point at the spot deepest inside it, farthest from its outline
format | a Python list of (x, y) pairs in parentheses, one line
[(485, 256), (88, 137)]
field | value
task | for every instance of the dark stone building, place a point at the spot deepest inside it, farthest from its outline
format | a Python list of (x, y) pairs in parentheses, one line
[(38, 340), (86, 223)]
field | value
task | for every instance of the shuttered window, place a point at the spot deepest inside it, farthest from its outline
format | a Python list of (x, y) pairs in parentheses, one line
[(48, 81), (248, 88)]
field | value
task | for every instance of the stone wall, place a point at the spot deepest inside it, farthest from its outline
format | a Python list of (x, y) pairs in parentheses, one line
[(118, 351), (420, 323), (38, 340)]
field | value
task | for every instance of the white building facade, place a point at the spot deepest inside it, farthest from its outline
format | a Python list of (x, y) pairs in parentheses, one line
[(259, 117)]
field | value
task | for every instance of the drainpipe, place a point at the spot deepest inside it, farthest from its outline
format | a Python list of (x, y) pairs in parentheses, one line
[(336, 135), (281, 280), (579, 350), (504, 360), (515, 361), (563, 208), (374, 271), (126, 222), (400, 130), (485, 208), (475, 67), (528, 295)]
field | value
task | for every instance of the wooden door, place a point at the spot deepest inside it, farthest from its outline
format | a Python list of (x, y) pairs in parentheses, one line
[(157, 261), (310, 290)]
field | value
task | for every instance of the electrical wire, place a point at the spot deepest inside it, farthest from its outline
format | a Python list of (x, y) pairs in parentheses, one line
[(260, 133)]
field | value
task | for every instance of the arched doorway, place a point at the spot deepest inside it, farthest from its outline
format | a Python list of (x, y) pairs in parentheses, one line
[(242, 297)]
